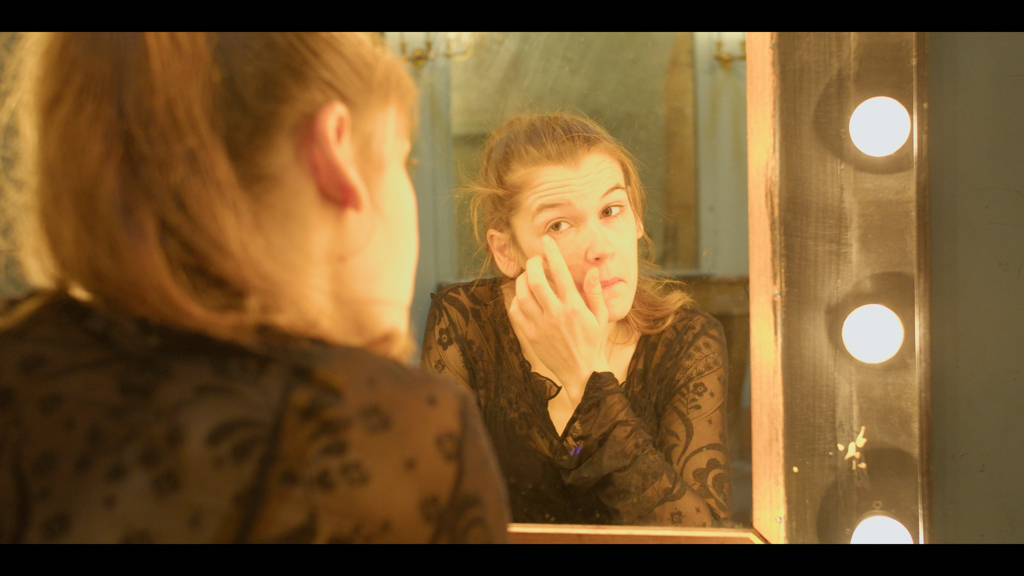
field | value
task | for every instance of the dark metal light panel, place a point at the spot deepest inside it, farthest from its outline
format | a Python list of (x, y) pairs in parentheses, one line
[(853, 232)]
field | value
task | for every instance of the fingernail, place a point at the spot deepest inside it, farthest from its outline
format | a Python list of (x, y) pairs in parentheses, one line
[(546, 239)]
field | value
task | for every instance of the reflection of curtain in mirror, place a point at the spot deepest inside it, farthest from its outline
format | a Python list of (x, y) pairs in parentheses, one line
[(678, 250), (722, 154)]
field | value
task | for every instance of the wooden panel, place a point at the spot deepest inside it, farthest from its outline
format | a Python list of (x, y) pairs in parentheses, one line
[(765, 373), (923, 281), (815, 256), (575, 534)]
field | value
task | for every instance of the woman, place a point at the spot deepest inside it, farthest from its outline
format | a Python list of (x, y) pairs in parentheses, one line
[(603, 391), (229, 239)]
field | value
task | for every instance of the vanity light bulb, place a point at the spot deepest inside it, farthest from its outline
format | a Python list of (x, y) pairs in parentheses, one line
[(881, 529), (873, 333), (879, 126)]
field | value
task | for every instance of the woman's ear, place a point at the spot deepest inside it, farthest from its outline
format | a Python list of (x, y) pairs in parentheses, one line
[(331, 152), (505, 254)]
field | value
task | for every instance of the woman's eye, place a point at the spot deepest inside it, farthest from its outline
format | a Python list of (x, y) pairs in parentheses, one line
[(612, 210), (559, 226)]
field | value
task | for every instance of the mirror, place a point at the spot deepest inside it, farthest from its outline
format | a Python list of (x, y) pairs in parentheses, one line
[(801, 90), (674, 100)]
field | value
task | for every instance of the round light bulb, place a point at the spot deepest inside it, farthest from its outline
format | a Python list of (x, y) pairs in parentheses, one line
[(879, 126), (881, 529), (873, 333)]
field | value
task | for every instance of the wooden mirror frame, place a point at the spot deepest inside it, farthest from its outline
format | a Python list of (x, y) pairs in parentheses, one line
[(828, 59)]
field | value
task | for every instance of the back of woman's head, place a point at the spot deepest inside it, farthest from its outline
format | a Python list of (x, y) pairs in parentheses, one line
[(150, 153)]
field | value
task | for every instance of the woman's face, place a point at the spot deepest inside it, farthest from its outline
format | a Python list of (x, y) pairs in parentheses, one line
[(375, 243), (586, 210), (397, 237)]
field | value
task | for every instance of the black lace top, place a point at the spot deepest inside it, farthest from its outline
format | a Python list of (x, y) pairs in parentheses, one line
[(115, 430), (650, 450)]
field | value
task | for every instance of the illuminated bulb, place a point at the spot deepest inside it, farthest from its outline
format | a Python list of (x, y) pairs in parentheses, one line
[(879, 126), (881, 529), (873, 333)]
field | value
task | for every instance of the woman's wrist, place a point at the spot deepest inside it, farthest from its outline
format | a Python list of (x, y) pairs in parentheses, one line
[(577, 384)]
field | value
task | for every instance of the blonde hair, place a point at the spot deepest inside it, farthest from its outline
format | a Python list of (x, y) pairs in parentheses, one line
[(148, 158), (560, 139)]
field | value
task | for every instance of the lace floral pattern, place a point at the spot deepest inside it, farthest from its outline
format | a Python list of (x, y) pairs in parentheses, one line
[(650, 450), (115, 430)]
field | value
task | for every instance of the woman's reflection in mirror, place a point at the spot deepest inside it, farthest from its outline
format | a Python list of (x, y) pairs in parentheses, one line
[(602, 387)]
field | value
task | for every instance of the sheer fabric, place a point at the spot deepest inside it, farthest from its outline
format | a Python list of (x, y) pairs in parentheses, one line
[(115, 430), (650, 450)]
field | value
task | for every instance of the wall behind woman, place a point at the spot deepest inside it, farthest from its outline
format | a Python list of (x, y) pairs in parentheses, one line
[(976, 93)]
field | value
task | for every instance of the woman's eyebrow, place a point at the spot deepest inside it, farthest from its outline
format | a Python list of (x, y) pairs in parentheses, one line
[(613, 189), (549, 206), (543, 206)]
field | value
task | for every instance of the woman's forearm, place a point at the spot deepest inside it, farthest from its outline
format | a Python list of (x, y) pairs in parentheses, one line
[(605, 447)]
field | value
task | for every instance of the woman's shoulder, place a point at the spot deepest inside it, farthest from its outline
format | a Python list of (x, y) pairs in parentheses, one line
[(67, 332), (479, 292), (388, 445), (466, 302), (364, 376), (387, 405), (378, 426), (690, 323), (18, 311)]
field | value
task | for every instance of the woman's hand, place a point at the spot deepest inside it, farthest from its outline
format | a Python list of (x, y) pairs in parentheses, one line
[(566, 332)]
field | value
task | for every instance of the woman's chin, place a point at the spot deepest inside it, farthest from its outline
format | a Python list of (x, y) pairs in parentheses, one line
[(619, 301), (617, 311)]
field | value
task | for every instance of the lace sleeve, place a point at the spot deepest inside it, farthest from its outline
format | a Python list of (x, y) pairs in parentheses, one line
[(681, 477)]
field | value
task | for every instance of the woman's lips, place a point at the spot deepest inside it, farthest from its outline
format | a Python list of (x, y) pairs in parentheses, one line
[(606, 284)]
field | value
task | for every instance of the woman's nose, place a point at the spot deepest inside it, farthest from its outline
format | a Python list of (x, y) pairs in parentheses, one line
[(598, 247)]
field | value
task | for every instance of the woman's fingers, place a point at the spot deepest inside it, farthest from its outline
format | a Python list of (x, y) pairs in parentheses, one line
[(594, 294), (528, 304), (539, 286), (516, 316), (560, 274)]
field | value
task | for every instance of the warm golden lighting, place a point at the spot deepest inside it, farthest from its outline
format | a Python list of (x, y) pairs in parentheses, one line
[(881, 529), (879, 126), (873, 333)]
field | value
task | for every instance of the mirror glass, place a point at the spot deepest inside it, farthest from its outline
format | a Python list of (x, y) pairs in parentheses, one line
[(676, 101)]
